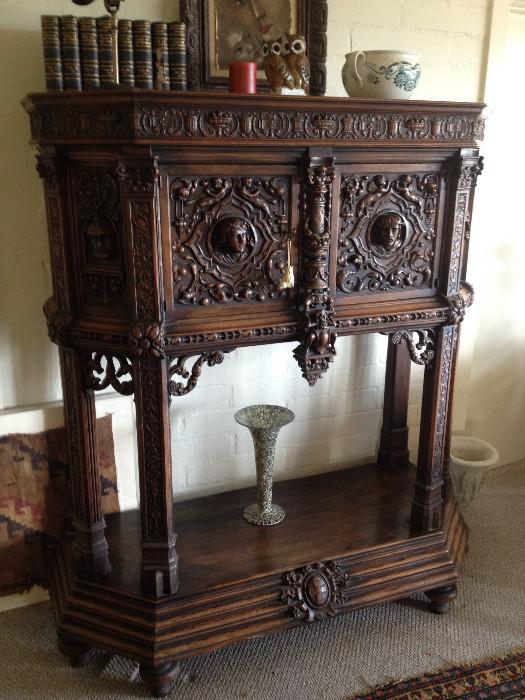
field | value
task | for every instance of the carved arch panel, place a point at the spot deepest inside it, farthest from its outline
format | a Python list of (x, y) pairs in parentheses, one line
[(388, 232)]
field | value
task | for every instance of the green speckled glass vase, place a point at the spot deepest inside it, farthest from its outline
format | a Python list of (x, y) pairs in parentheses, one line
[(264, 422)]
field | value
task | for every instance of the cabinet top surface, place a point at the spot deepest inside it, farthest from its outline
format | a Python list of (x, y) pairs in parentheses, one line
[(157, 116)]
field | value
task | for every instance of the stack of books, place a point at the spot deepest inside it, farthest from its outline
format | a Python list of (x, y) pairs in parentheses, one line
[(78, 53)]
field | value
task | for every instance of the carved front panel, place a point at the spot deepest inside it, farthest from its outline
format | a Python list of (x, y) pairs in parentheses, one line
[(98, 223), (229, 238), (387, 232)]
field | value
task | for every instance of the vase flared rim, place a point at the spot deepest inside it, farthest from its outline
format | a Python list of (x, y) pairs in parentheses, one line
[(264, 416)]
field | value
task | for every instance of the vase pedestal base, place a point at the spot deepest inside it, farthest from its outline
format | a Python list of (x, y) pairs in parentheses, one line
[(255, 516)]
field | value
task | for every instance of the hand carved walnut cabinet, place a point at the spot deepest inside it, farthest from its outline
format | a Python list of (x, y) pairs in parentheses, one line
[(172, 221)]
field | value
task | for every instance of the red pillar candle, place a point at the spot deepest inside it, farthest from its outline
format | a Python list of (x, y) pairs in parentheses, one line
[(243, 77)]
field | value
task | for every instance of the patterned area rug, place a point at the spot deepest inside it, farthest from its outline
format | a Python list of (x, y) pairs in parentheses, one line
[(493, 679)]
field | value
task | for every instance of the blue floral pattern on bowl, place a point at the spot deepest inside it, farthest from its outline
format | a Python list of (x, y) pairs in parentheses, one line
[(405, 75)]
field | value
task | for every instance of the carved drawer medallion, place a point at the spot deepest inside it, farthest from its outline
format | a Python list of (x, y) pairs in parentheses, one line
[(387, 235), (229, 238), (315, 591)]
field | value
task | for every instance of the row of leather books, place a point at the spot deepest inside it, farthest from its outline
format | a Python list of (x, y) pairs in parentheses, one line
[(78, 53)]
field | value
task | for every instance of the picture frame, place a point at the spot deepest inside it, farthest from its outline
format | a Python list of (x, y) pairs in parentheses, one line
[(205, 40)]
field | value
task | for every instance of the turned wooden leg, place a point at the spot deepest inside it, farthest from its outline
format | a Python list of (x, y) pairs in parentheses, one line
[(79, 654), (427, 506), (440, 598), (159, 678), (90, 549), (393, 447)]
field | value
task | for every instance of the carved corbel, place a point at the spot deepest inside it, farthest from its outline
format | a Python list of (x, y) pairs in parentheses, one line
[(421, 349), (460, 302), (58, 322), (103, 370), (317, 347), (179, 368)]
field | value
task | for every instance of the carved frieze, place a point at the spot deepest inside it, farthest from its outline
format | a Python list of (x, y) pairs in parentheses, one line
[(387, 233), (229, 238), (178, 368), (103, 370), (315, 591), (317, 347), (99, 225), (167, 119), (422, 350)]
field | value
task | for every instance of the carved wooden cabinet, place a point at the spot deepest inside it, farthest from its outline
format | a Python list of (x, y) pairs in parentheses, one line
[(172, 219)]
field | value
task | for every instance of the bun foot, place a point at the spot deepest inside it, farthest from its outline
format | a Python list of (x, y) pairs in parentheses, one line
[(440, 598), (159, 678), (79, 654)]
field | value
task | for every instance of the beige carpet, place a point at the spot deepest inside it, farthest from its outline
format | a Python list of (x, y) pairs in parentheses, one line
[(325, 661)]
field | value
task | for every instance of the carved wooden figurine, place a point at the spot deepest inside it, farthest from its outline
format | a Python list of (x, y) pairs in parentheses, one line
[(168, 253)]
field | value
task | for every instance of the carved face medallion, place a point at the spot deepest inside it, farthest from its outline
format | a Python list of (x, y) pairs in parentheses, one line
[(232, 240), (317, 591), (101, 239), (387, 233)]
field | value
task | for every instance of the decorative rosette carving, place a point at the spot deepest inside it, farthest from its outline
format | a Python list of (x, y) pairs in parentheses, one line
[(422, 350), (147, 341), (315, 591)]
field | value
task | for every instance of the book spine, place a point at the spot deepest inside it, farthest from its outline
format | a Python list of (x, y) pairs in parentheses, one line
[(125, 53), (177, 55), (105, 51), (142, 53), (52, 58), (161, 66), (87, 30), (70, 48)]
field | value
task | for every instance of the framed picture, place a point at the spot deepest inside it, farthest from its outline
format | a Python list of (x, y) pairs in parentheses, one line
[(220, 31)]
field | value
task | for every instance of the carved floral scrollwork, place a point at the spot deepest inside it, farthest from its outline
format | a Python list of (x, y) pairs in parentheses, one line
[(460, 302), (317, 347), (422, 350), (103, 370), (179, 368), (387, 235), (315, 591), (147, 341), (229, 238)]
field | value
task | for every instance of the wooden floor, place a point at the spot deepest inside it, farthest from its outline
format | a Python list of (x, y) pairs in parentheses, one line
[(327, 515)]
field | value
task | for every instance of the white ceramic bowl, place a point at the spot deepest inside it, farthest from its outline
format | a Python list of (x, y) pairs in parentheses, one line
[(387, 75)]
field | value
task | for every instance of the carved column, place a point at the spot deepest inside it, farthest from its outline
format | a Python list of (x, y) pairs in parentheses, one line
[(90, 549), (465, 171), (317, 347), (427, 506), (393, 447), (139, 188)]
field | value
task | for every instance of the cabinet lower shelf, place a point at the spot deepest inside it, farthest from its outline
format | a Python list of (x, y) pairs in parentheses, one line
[(233, 575)]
